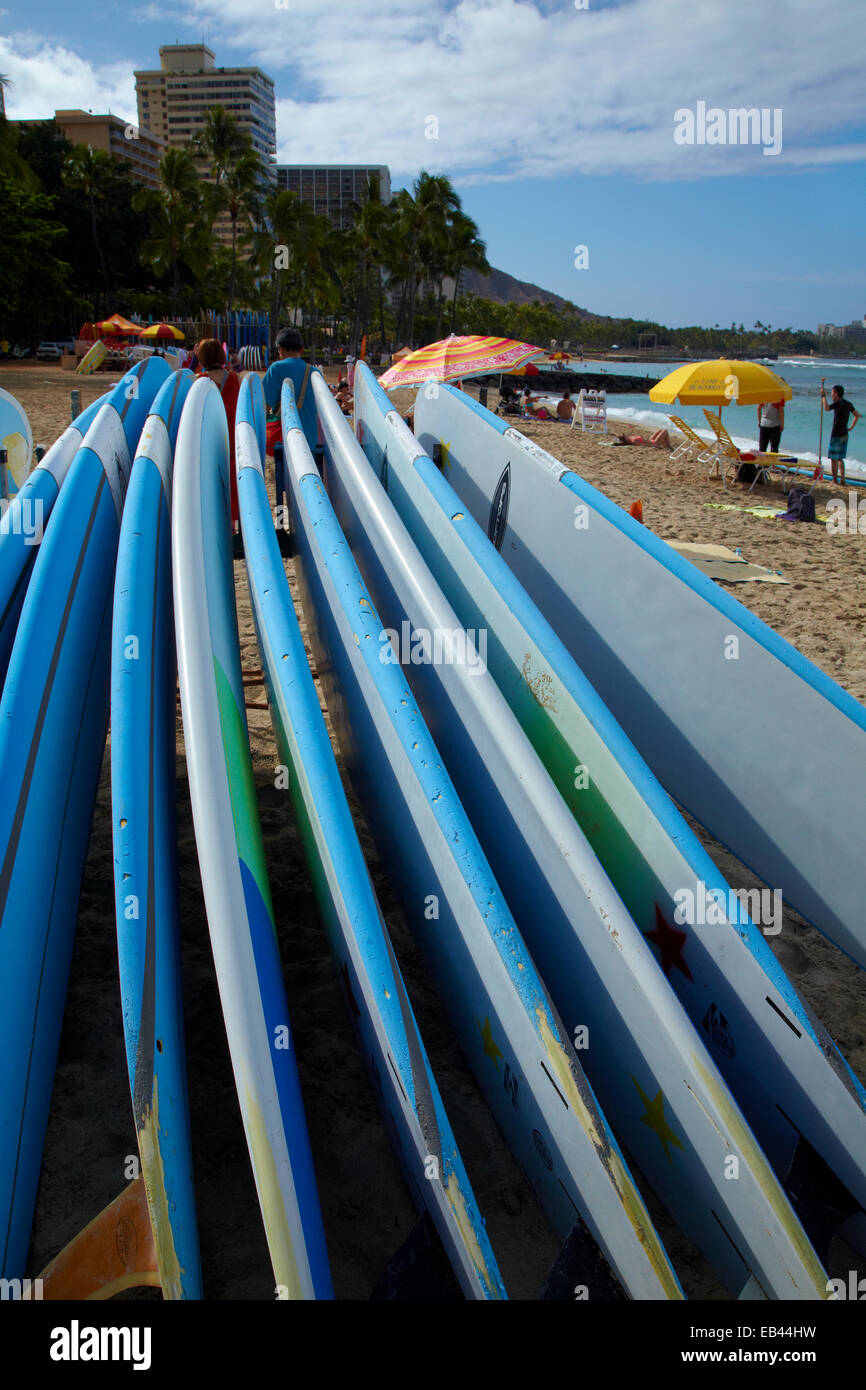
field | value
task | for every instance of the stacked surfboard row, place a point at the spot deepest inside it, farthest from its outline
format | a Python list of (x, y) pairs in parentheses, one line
[(525, 685)]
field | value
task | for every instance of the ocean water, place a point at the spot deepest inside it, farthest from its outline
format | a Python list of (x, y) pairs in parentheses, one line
[(800, 435)]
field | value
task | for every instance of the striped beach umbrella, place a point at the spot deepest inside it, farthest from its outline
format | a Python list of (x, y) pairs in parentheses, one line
[(163, 330), (118, 324), (456, 357)]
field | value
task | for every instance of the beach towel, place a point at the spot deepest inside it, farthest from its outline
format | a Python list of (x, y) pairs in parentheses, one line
[(766, 513), (720, 563)]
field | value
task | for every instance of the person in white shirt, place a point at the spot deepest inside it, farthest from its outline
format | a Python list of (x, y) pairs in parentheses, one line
[(771, 422)]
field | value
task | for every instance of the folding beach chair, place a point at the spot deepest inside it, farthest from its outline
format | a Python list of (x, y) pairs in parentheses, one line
[(692, 444), (726, 456)]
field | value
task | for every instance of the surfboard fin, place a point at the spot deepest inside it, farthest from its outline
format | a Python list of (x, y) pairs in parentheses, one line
[(821, 1200), (581, 1271), (419, 1270), (114, 1252)]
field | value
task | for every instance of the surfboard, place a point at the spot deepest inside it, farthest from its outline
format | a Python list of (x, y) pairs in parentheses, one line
[(502, 1014), (143, 719), (93, 358), (53, 722), (645, 1061), (376, 994), (16, 437), (708, 693), (231, 855), (23, 522), (792, 1082)]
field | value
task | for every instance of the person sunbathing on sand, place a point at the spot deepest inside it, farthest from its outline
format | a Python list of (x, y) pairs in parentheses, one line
[(659, 440), (566, 407)]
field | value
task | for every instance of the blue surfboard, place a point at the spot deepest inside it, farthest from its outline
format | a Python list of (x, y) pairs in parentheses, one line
[(53, 721), (143, 793)]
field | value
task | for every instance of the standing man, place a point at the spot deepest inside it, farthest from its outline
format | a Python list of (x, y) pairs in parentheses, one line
[(290, 364), (842, 410), (771, 422)]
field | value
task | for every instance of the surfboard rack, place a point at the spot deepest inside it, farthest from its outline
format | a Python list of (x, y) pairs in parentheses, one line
[(114, 1252)]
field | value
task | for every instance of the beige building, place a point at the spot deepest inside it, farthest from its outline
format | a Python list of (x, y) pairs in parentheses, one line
[(106, 132), (173, 98)]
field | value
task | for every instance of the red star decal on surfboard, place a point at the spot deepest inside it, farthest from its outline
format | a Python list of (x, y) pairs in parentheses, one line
[(670, 943)]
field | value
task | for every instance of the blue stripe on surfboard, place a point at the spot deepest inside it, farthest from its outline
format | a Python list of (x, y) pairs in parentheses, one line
[(276, 1012)]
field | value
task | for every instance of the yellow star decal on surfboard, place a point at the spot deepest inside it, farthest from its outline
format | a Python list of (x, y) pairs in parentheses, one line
[(655, 1118), (490, 1048)]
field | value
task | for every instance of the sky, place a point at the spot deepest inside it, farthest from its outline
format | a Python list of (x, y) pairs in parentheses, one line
[(564, 124)]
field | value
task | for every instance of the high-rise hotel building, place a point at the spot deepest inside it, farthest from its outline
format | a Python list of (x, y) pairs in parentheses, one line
[(173, 98), (333, 190)]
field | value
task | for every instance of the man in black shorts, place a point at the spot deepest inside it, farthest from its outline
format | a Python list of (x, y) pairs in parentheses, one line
[(842, 410)]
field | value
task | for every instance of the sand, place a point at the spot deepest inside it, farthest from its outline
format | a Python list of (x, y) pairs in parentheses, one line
[(366, 1207)]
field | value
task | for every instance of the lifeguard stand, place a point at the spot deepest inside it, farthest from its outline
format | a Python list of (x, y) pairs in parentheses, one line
[(592, 412)]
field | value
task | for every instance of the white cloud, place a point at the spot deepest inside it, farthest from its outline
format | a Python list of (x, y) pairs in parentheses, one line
[(48, 77), (519, 90)]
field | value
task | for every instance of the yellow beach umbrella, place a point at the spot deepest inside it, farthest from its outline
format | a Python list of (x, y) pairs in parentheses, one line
[(163, 330), (719, 382), (456, 357)]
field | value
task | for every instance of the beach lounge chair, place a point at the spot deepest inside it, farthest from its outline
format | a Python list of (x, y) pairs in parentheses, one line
[(727, 457), (764, 463), (692, 444)]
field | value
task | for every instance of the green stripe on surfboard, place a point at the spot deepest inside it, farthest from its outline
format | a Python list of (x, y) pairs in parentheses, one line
[(537, 704), (245, 811)]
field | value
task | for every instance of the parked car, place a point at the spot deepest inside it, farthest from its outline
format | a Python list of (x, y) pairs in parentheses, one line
[(48, 352)]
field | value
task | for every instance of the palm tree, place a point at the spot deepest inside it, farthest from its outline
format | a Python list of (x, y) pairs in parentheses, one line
[(239, 195), (466, 251), (179, 228), (279, 248), (435, 202), (367, 239), (221, 142), (11, 163), (86, 171)]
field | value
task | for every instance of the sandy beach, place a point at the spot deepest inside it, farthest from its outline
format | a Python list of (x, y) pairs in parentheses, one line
[(366, 1207)]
